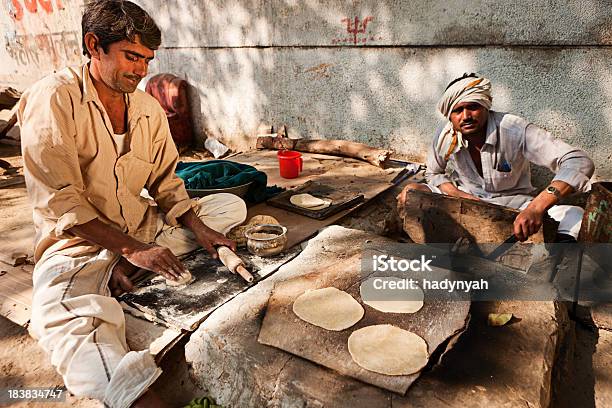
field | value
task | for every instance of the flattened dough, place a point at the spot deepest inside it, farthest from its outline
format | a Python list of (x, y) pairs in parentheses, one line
[(387, 349), (329, 308), (397, 306), (309, 202), (184, 279)]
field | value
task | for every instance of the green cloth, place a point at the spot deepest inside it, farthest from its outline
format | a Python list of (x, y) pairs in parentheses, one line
[(225, 174)]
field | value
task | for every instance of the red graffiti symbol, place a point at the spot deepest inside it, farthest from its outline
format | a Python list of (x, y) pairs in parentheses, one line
[(46, 5), (17, 11), (30, 5), (356, 27)]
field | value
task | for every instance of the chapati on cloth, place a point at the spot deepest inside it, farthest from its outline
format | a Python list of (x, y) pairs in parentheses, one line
[(387, 349), (329, 308), (309, 202)]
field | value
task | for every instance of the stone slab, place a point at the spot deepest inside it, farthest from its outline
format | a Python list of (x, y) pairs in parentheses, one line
[(503, 366), (184, 307), (436, 323)]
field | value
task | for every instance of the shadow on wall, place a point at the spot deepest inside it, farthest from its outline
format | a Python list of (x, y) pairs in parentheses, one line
[(245, 73)]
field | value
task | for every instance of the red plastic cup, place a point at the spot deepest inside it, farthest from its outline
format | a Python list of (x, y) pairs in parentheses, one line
[(289, 163)]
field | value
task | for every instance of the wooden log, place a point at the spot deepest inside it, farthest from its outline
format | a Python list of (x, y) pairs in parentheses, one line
[(435, 218), (377, 157), (8, 97), (5, 127), (430, 217)]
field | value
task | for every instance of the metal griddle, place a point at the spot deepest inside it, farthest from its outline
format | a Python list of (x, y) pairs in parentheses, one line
[(341, 197)]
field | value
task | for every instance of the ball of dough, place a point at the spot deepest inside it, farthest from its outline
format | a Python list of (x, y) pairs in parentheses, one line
[(184, 279)]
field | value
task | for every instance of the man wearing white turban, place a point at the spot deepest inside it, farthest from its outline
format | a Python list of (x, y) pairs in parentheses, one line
[(490, 153)]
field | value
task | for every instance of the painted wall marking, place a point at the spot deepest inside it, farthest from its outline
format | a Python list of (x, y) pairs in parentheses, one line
[(17, 9), (45, 49), (358, 30)]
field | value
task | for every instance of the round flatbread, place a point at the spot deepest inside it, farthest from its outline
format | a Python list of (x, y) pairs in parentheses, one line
[(307, 201), (329, 308), (413, 305), (184, 279), (320, 207), (387, 349)]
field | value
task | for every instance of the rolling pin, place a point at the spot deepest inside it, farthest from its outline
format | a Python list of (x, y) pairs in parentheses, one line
[(234, 263)]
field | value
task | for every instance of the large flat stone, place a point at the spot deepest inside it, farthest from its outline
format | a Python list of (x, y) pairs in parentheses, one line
[(503, 366)]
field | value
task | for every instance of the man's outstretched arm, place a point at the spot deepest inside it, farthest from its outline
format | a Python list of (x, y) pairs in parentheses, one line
[(147, 256), (206, 236), (572, 167), (529, 221)]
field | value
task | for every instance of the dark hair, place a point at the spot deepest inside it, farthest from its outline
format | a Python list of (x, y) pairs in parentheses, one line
[(117, 20), (465, 75)]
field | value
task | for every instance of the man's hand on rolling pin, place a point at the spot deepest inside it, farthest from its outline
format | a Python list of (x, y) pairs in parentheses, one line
[(209, 239), (157, 259)]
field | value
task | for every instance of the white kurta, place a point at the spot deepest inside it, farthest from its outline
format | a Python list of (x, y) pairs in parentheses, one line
[(83, 328)]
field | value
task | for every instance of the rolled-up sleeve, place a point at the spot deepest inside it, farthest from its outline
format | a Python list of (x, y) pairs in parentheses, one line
[(52, 171), (571, 165), (166, 188), (435, 174)]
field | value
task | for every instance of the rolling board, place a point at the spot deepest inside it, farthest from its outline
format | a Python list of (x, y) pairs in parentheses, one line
[(184, 307), (437, 322), (341, 196)]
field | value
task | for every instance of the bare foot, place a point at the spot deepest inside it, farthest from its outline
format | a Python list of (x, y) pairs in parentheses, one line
[(120, 281), (149, 400)]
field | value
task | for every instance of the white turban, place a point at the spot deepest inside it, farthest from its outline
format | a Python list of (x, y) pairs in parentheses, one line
[(466, 90)]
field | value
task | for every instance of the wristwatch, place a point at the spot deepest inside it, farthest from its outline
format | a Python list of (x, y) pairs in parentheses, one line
[(554, 191)]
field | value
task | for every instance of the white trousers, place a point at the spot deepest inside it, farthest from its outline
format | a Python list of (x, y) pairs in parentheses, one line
[(569, 217), (76, 320)]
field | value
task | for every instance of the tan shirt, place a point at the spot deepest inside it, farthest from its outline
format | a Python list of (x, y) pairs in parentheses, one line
[(74, 172)]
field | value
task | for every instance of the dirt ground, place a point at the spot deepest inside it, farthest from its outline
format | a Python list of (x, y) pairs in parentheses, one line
[(24, 364)]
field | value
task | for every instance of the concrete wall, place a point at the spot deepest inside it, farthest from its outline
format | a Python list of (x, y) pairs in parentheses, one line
[(372, 71), (38, 37)]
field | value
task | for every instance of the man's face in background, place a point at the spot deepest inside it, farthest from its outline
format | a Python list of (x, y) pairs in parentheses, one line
[(469, 118)]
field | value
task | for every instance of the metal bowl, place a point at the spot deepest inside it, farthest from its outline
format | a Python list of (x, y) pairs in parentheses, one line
[(266, 239), (240, 190)]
